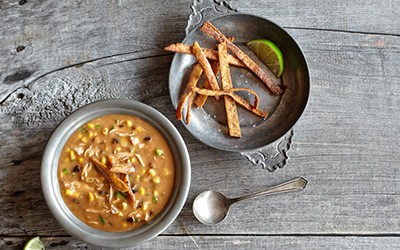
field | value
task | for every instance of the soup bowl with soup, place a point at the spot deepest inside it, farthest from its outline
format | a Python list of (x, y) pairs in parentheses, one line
[(115, 173)]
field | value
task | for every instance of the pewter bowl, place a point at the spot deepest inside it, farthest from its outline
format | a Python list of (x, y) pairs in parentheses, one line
[(209, 123), (50, 185)]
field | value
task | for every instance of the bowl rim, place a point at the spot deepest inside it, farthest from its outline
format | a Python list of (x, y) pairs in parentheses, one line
[(49, 177)]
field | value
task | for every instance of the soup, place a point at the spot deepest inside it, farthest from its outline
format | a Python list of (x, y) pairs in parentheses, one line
[(116, 172)]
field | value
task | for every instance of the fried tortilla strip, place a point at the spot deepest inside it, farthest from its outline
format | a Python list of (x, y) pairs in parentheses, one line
[(193, 79), (110, 176), (212, 31), (212, 80), (201, 99), (226, 82), (253, 108), (209, 53), (189, 107)]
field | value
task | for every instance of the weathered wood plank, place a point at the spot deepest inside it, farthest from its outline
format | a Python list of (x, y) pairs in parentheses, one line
[(58, 35), (228, 242), (345, 144), (341, 15)]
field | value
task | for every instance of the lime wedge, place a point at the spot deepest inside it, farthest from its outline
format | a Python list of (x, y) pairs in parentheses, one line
[(34, 244), (269, 54)]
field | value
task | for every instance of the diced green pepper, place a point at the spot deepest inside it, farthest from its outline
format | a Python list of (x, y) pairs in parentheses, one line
[(102, 220), (159, 152), (65, 171), (154, 200), (119, 194)]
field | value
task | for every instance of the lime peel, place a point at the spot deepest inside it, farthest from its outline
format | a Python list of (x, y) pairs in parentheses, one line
[(269, 54)]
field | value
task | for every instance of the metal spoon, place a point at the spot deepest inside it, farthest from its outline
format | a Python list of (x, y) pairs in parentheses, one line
[(211, 207)]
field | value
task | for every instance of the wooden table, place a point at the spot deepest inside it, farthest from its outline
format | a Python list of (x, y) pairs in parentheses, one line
[(57, 56)]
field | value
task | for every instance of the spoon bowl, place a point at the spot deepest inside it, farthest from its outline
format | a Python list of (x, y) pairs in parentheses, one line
[(211, 207)]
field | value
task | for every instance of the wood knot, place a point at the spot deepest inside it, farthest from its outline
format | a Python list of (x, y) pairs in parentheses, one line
[(20, 48)]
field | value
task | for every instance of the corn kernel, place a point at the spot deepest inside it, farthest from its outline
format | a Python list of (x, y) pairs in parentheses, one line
[(81, 160), (118, 149), (90, 125), (76, 194), (105, 131), (124, 206), (72, 155), (124, 142), (139, 129), (95, 134), (142, 191), (120, 214), (129, 123), (155, 193), (133, 159), (103, 160), (66, 160), (124, 225), (80, 136), (91, 197), (91, 134), (145, 206), (156, 180), (84, 139), (152, 172), (69, 192)]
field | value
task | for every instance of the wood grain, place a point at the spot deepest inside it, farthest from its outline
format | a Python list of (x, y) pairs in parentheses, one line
[(231, 242), (345, 144)]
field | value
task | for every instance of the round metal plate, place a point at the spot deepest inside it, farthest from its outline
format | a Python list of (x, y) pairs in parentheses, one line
[(209, 123)]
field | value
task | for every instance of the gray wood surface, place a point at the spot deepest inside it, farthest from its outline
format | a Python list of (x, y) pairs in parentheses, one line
[(56, 56)]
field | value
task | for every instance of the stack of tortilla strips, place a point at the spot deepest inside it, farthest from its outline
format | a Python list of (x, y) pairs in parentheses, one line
[(220, 64)]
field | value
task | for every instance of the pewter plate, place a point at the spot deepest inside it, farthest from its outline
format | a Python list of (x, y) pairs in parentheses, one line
[(209, 123)]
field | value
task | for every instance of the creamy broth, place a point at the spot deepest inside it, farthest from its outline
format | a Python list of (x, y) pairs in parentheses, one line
[(116, 173)]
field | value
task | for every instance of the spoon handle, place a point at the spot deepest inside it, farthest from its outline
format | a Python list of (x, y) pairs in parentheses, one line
[(296, 184)]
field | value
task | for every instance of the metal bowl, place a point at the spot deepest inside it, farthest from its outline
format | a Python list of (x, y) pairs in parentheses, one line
[(209, 123), (51, 190)]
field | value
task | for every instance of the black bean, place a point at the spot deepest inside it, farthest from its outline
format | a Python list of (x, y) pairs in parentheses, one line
[(75, 200), (77, 169), (147, 138), (129, 219), (115, 140)]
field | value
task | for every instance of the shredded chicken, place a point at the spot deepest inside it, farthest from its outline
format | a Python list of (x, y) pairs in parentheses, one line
[(140, 159), (90, 210), (79, 150), (92, 151), (123, 168)]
